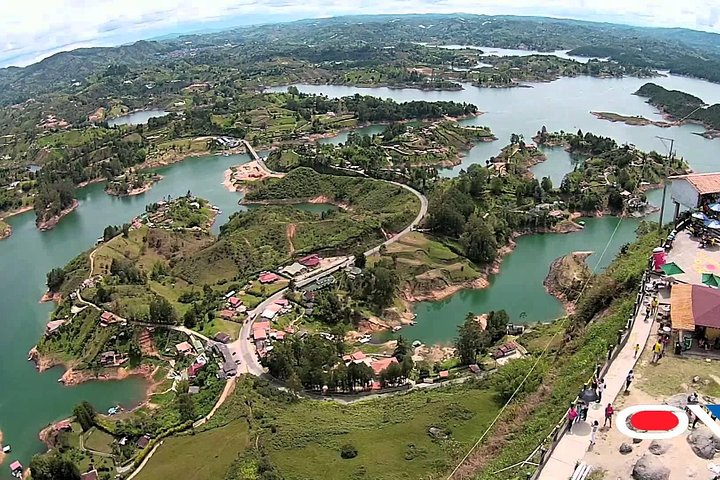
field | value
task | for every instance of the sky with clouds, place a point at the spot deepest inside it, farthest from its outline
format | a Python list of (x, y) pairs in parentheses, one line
[(34, 29)]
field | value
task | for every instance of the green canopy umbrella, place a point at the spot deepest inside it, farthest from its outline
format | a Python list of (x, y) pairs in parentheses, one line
[(672, 269), (711, 280)]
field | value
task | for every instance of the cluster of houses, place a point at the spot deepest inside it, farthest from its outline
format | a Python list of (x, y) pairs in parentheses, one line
[(228, 142), (51, 123), (303, 265), (112, 359), (233, 307)]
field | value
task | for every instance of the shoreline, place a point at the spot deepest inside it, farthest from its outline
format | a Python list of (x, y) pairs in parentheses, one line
[(493, 268), (556, 290), (2, 455), (137, 191), (52, 222), (7, 231)]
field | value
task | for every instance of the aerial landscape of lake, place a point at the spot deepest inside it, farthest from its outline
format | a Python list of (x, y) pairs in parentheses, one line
[(564, 104)]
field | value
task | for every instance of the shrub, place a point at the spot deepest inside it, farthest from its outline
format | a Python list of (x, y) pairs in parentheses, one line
[(348, 451)]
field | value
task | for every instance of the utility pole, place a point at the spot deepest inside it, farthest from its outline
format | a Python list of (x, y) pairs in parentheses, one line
[(672, 144), (662, 207)]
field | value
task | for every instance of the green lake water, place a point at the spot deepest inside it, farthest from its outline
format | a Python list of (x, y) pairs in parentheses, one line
[(29, 401)]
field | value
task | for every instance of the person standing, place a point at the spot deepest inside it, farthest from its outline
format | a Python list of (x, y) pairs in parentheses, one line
[(600, 389), (657, 348), (609, 411), (593, 433), (637, 350), (655, 304), (572, 415), (628, 380)]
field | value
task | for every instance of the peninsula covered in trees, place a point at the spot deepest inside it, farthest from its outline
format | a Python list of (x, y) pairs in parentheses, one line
[(683, 107)]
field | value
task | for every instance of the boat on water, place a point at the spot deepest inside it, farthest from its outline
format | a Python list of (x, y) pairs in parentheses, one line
[(7, 449), (396, 328)]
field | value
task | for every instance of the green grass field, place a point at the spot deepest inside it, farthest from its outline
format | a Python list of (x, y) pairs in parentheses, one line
[(203, 456), (99, 441), (426, 263), (391, 434)]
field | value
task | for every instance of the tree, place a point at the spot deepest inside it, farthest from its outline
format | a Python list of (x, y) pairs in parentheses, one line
[(161, 311), (360, 259), (401, 349), (51, 466), (55, 278), (294, 384), (102, 294), (615, 201), (513, 376), (479, 241), (497, 324), (185, 407), (546, 184), (471, 340), (381, 285), (85, 415)]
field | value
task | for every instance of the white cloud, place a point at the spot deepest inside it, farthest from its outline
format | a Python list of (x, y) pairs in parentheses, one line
[(33, 29)]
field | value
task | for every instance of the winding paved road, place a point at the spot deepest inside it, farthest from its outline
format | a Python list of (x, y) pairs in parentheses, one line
[(243, 347)]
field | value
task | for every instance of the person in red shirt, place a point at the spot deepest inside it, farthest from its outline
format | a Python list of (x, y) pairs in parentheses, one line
[(609, 411), (572, 416)]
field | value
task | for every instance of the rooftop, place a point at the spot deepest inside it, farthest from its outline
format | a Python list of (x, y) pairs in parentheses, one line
[(693, 260), (704, 183)]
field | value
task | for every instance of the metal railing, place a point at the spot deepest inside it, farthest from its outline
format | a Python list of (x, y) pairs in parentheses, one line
[(543, 452)]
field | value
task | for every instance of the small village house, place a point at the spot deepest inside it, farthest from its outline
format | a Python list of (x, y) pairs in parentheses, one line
[(293, 270), (694, 190), (695, 317), (143, 441), (53, 326), (234, 302), (268, 277), (311, 261), (90, 475), (379, 365), (184, 348), (222, 337)]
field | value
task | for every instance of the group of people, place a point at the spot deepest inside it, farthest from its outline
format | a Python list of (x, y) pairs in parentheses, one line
[(578, 413)]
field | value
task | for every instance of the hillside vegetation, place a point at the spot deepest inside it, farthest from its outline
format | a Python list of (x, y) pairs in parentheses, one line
[(681, 105), (261, 239)]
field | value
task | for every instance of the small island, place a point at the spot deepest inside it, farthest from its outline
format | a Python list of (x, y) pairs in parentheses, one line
[(682, 107), (131, 183), (633, 120)]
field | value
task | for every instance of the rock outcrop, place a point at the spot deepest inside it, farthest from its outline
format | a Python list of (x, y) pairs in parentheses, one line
[(625, 448), (704, 443), (650, 467), (658, 447)]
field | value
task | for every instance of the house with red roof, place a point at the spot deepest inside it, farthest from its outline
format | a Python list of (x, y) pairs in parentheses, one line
[(268, 277), (193, 370), (261, 325), (379, 365), (227, 314), (311, 261), (234, 302), (108, 318)]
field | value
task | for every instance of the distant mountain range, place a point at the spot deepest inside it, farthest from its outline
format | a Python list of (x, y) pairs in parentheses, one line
[(681, 51)]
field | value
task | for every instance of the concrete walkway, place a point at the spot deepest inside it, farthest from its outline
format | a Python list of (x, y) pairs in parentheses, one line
[(572, 446)]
